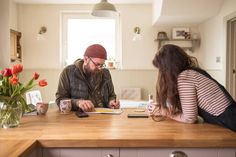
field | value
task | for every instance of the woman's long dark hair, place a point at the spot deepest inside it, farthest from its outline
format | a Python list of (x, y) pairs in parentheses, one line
[(171, 60)]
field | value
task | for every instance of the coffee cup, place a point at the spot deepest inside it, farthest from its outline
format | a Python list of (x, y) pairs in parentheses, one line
[(65, 106), (42, 108)]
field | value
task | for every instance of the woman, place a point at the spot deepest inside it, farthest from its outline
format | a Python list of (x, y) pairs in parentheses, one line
[(184, 91)]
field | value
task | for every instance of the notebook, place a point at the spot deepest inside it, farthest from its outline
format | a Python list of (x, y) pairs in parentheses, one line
[(107, 111)]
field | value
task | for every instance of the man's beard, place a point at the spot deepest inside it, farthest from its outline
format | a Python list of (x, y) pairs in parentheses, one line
[(88, 72)]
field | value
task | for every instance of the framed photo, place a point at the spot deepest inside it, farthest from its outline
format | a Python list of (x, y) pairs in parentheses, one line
[(180, 33), (33, 97)]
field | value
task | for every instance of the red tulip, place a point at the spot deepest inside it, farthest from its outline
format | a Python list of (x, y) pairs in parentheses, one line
[(7, 72), (43, 83), (14, 69), (17, 68), (36, 76), (14, 80)]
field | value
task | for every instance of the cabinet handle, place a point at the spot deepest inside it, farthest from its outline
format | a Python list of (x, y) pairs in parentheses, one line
[(178, 154), (234, 71), (109, 155)]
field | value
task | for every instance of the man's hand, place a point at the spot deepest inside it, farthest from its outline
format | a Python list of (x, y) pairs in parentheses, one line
[(85, 105), (115, 104)]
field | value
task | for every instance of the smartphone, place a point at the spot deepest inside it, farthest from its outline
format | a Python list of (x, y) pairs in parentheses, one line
[(81, 114), (137, 115)]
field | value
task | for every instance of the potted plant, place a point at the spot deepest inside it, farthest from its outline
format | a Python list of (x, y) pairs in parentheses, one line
[(111, 63), (12, 92)]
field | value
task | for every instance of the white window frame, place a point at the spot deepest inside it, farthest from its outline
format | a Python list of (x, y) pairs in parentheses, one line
[(65, 15)]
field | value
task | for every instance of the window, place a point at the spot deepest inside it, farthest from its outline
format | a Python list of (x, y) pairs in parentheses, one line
[(80, 29)]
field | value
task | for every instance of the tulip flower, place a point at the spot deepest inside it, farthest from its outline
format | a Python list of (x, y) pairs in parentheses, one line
[(7, 72), (17, 68), (43, 83), (36, 76), (12, 91), (14, 80)]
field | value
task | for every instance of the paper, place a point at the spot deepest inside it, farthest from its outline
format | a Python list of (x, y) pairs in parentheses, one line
[(33, 113), (133, 104), (33, 97), (107, 111)]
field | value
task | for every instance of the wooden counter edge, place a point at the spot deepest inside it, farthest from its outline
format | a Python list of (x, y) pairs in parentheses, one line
[(12, 148), (111, 143)]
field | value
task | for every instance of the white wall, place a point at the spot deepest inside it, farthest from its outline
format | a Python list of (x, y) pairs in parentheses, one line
[(135, 55), (31, 18), (44, 56), (213, 42), (4, 34), (13, 16), (8, 18)]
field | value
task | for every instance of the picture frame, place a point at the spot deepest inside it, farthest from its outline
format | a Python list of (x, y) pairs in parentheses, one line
[(180, 33), (33, 97)]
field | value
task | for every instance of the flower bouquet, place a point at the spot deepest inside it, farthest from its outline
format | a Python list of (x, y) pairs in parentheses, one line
[(12, 92)]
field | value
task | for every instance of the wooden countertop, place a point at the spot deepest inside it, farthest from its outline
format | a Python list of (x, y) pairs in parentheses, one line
[(103, 130), (12, 148)]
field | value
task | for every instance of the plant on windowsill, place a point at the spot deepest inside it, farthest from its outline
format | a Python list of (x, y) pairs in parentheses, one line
[(12, 91), (110, 63)]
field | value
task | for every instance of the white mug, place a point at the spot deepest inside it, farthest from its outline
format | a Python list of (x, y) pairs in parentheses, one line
[(42, 108), (65, 106)]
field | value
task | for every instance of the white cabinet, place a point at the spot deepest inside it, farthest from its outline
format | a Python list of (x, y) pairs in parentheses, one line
[(165, 152), (80, 152), (131, 152)]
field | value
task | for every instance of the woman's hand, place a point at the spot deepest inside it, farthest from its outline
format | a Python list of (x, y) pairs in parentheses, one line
[(85, 105), (156, 110), (159, 111), (151, 107)]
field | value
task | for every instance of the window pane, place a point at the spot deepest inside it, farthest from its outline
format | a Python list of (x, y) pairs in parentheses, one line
[(83, 32)]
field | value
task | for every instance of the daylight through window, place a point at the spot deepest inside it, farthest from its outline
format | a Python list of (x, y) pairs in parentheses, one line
[(81, 31)]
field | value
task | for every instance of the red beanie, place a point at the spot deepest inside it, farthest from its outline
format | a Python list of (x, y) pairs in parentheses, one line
[(96, 51)]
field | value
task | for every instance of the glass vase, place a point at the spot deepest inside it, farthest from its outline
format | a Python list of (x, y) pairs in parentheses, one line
[(10, 115)]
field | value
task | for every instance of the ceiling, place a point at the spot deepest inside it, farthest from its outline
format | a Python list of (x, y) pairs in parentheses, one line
[(165, 12), (83, 1)]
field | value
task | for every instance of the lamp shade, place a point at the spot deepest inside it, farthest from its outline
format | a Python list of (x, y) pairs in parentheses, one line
[(104, 9)]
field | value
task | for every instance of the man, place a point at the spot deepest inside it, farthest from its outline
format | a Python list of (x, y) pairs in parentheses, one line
[(87, 83)]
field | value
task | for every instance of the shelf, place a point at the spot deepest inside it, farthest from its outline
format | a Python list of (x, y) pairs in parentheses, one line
[(186, 44), (176, 39)]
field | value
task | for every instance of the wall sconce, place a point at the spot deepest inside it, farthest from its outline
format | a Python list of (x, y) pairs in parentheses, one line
[(104, 9), (42, 31), (137, 34)]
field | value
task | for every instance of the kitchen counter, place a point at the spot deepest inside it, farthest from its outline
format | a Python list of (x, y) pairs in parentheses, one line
[(55, 130), (11, 148)]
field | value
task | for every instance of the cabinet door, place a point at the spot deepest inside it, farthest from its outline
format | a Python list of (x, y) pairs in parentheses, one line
[(229, 152), (165, 152), (81, 152), (35, 152)]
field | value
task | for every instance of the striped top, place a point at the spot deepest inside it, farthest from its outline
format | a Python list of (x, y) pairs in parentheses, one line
[(195, 90)]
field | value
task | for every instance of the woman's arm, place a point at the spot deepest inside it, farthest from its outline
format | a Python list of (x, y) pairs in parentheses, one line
[(188, 99)]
